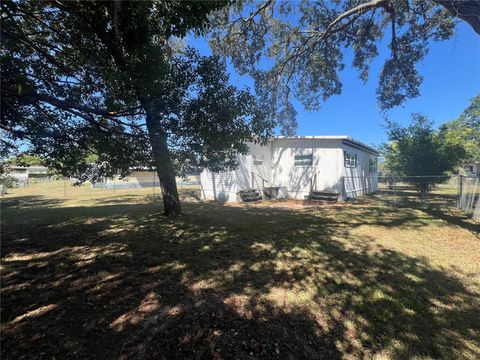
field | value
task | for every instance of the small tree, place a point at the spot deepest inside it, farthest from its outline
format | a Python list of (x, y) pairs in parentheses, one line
[(421, 151), (25, 160), (465, 130)]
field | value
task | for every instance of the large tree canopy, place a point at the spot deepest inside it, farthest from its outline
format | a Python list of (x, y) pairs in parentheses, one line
[(296, 48), (111, 78)]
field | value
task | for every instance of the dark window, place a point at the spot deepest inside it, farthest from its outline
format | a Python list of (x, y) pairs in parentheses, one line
[(372, 165), (257, 159), (304, 160)]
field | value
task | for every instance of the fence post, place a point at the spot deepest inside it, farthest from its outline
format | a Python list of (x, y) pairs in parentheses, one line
[(394, 190), (153, 183), (64, 187), (460, 190), (114, 185)]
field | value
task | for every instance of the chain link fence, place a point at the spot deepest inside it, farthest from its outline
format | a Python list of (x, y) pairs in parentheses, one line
[(441, 191), (145, 183), (432, 191)]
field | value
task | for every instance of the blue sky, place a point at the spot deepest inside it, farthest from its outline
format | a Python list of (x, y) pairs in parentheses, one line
[(451, 72)]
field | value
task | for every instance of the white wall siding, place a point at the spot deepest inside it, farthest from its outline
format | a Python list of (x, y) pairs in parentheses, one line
[(265, 169), (327, 171), (223, 186), (358, 180), (19, 176), (220, 186), (298, 179)]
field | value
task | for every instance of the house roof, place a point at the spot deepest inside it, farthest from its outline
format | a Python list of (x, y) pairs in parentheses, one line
[(347, 140), (29, 168)]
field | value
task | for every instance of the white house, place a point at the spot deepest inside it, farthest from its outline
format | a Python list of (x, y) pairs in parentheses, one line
[(22, 173), (298, 167), (472, 169), (141, 178)]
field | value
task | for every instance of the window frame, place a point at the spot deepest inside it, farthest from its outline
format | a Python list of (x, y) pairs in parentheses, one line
[(372, 165), (350, 159), (305, 161), (257, 160)]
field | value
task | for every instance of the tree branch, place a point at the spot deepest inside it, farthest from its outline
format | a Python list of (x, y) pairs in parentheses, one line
[(252, 14), (62, 104), (322, 35), (467, 10), (356, 10), (39, 134)]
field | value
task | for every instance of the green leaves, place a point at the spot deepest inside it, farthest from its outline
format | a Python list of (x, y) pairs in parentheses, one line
[(295, 49), (25, 160), (420, 150), (216, 119), (465, 130), (86, 69)]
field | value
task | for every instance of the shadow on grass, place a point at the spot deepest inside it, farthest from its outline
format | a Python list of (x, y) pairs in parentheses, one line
[(222, 282), (29, 202), (440, 206)]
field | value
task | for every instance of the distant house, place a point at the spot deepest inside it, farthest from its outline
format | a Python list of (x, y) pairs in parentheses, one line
[(141, 178), (299, 167), (472, 169), (137, 179), (23, 173)]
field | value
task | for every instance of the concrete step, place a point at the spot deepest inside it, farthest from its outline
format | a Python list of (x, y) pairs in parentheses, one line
[(250, 195), (322, 198), (325, 192), (251, 198), (324, 195)]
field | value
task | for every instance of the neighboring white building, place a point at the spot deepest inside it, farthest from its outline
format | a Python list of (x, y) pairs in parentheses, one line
[(141, 179), (297, 166), (473, 169), (22, 173)]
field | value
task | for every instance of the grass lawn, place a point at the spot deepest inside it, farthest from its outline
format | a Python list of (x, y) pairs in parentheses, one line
[(102, 275)]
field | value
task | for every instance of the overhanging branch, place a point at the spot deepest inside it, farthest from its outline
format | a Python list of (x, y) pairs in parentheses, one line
[(65, 105), (467, 10)]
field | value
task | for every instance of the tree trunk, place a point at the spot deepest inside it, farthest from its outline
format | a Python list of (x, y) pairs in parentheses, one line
[(163, 163)]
